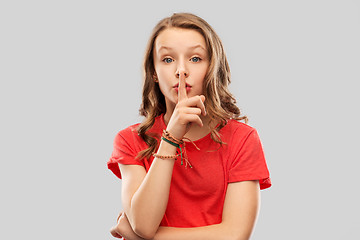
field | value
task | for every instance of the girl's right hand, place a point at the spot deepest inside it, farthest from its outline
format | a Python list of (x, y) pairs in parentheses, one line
[(123, 229), (186, 112), (115, 231)]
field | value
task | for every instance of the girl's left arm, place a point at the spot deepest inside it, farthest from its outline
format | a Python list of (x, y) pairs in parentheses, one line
[(241, 208)]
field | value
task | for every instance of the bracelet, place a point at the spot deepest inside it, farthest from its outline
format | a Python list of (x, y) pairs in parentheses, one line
[(168, 136), (165, 157), (169, 141), (175, 145)]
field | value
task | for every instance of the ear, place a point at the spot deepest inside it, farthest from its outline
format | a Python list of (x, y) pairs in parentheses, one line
[(155, 78)]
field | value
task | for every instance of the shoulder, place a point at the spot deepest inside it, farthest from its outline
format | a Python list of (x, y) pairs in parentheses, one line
[(130, 133), (236, 128), (237, 134), (127, 137), (130, 130)]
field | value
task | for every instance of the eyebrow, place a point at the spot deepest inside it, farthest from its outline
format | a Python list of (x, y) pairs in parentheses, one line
[(193, 47)]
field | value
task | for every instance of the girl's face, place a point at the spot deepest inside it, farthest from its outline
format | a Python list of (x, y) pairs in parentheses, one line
[(180, 50)]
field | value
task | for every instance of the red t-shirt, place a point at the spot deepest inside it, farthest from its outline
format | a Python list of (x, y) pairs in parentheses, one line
[(197, 194)]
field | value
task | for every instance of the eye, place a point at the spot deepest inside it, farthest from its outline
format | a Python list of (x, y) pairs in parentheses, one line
[(196, 59), (167, 60)]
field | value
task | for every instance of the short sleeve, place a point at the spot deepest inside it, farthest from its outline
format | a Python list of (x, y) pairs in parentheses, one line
[(124, 151), (248, 160)]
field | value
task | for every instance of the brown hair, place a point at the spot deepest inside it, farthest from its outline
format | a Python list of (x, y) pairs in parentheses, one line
[(220, 103)]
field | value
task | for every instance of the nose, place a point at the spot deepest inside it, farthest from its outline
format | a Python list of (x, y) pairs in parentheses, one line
[(181, 69), (178, 74)]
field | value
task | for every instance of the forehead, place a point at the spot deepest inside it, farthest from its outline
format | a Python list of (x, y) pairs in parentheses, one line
[(179, 38)]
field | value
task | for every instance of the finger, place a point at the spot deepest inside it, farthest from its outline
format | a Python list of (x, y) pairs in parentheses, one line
[(121, 213), (114, 233), (182, 87), (191, 118), (192, 110), (197, 101), (202, 98)]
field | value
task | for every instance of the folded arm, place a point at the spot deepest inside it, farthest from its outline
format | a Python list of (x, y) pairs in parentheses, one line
[(145, 195), (240, 212)]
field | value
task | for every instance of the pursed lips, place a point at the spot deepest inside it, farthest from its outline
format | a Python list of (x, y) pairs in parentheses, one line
[(177, 85)]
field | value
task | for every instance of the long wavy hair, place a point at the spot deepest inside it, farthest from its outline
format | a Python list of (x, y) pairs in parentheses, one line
[(220, 103)]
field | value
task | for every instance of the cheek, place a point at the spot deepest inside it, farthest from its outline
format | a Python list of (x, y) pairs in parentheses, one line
[(163, 74), (199, 74), (162, 87), (165, 86)]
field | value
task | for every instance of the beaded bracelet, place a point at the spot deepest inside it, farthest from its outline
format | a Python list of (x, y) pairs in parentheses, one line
[(175, 145), (167, 137), (165, 157)]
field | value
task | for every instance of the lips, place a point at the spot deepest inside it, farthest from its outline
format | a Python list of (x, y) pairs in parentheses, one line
[(177, 85), (176, 88)]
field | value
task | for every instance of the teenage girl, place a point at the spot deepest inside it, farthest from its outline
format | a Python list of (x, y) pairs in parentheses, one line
[(190, 170)]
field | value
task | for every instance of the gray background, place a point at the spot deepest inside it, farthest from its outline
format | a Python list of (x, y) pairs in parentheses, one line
[(71, 78)]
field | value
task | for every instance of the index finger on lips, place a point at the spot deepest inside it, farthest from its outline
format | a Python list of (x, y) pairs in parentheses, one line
[(182, 87)]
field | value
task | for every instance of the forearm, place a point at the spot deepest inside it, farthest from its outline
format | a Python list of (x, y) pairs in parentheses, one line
[(216, 232), (240, 211), (148, 204)]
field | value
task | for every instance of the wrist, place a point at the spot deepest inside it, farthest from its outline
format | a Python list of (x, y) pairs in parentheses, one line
[(173, 138), (174, 133), (166, 148)]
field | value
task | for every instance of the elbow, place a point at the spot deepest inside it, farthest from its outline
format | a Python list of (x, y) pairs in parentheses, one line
[(143, 224), (145, 231)]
